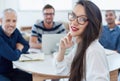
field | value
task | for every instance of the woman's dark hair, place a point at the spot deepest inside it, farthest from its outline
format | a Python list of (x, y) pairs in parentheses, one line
[(78, 67)]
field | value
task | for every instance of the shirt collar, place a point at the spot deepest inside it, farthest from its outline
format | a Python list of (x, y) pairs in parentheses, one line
[(115, 28)]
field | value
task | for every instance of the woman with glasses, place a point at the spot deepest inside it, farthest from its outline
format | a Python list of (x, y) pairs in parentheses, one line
[(87, 61)]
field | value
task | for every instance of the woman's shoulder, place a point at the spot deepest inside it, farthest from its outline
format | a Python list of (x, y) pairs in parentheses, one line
[(95, 46), (96, 51)]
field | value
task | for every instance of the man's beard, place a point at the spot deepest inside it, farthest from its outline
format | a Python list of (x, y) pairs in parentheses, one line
[(49, 22)]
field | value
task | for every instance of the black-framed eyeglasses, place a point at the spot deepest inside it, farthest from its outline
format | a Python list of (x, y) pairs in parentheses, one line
[(48, 14), (80, 19)]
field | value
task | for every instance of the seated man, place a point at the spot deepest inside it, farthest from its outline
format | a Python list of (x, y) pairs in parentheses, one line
[(110, 35), (47, 26), (12, 45)]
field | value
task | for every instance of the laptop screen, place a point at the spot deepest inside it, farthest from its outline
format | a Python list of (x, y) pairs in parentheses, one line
[(49, 42)]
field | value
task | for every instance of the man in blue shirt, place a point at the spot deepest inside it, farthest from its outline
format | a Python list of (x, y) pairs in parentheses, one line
[(12, 45), (110, 35)]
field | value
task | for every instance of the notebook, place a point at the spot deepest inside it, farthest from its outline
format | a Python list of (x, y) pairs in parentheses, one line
[(31, 57), (49, 42)]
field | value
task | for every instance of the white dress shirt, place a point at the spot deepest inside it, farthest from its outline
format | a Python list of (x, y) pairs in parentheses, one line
[(96, 63)]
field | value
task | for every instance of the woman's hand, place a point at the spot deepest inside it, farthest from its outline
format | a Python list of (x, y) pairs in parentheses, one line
[(66, 42)]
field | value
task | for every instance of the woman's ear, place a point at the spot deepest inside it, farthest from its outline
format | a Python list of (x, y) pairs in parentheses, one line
[(87, 22)]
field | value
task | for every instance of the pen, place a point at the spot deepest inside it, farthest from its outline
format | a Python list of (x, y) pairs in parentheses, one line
[(28, 57)]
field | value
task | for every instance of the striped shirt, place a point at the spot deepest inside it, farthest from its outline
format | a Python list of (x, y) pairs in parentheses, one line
[(39, 29)]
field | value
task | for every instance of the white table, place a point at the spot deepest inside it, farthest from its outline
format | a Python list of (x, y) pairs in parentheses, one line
[(114, 64), (40, 70), (114, 61), (44, 69)]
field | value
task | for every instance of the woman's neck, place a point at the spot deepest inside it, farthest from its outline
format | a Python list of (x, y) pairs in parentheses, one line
[(78, 40)]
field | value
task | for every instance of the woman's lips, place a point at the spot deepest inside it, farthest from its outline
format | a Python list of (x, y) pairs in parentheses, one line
[(74, 28)]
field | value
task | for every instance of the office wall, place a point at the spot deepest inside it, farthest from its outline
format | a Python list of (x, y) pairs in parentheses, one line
[(28, 18)]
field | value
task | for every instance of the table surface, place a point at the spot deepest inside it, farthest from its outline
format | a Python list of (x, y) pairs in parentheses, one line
[(46, 66), (43, 67), (114, 61)]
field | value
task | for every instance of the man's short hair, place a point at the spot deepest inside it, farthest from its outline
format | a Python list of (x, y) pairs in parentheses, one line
[(111, 11), (7, 10), (48, 6)]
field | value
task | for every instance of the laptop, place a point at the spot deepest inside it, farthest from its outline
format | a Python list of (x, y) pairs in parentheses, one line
[(49, 42)]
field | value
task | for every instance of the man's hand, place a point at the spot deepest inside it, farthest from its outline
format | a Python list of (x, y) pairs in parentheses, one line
[(19, 46)]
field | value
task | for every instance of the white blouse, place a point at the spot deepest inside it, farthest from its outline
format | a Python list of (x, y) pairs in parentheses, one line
[(96, 63)]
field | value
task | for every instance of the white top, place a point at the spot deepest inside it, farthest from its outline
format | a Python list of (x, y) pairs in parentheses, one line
[(96, 63)]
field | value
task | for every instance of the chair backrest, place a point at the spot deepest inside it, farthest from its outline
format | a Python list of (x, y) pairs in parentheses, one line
[(26, 30), (114, 75)]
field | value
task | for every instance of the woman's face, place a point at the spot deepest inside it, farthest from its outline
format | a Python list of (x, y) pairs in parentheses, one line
[(78, 21)]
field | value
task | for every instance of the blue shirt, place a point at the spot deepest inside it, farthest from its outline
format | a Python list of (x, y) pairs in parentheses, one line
[(8, 51), (110, 39)]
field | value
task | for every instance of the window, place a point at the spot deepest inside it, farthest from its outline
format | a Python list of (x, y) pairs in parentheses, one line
[(107, 4), (38, 4)]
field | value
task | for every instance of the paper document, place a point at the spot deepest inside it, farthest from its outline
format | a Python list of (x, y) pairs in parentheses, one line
[(31, 57), (32, 50)]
